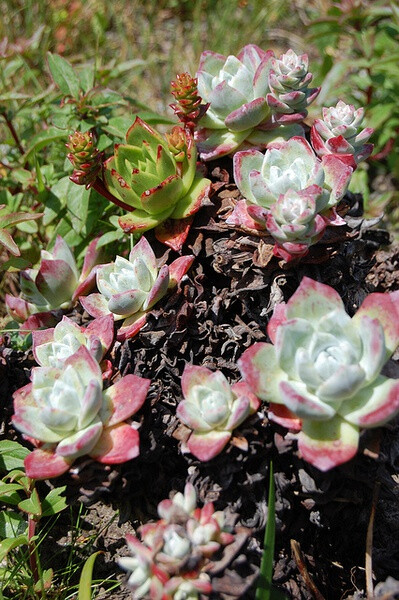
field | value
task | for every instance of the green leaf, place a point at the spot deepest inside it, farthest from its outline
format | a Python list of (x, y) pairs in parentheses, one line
[(263, 591), (45, 580), (43, 139), (12, 455), (31, 505), (105, 97), (54, 503), (10, 544), (153, 118), (64, 75), (86, 577), (8, 493), (109, 237), (77, 205), (86, 78), (12, 525)]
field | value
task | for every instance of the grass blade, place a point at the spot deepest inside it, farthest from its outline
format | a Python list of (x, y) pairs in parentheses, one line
[(264, 589)]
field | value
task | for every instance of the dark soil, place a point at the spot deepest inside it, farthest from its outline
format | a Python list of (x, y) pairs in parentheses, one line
[(220, 309)]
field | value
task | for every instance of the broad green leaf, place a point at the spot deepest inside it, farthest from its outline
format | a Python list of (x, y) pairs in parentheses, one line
[(9, 493), (86, 78), (12, 455), (43, 139), (31, 505), (9, 544), (16, 263), (77, 205), (105, 97), (86, 577), (54, 503), (45, 580), (109, 237), (12, 524), (64, 75)]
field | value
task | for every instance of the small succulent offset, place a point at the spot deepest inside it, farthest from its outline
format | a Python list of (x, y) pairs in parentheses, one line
[(66, 414), (340, 133), (323, 372), (129, 288), (254, 99), (168, 562), (212, 409), (291, 192), (157, 178), (86, 158), (51, 347), (56, 284), (290, 95)]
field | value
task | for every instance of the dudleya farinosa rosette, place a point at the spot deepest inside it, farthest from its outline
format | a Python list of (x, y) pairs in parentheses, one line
[(129, 288), (340, 133), (325, 368), (289, 191), (254, 99), (67, 414)]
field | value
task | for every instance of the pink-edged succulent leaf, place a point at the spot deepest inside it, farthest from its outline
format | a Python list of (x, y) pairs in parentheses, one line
[(103, 329), (240, 410), (159, 288), (313, 298), (144, 251), (374, 405), (290, 251), (131, 326), (193, 375), (92, 258), (87, 285), (248, 115), (40, 320), (80, 443), (337, 175), (278, 317), (259, 369), (206, 446), (242, 216), (191, 416), (327, 444), (9, 244), (95, 304), (178, 268), (173, 233), (126, 303), (45, 464), (85, 364), (18, 308), (241, 388), (117, 445), (124, 398), (215, 144), (283, 416), (56, 281), (298, 400), (157, 199), (384, 308), (244, 163)]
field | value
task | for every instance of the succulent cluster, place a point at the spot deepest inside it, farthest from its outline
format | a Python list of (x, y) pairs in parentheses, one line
[(290, 192), (129, 288), (168, 562), (212, 409), (254, 99), (325, 368)]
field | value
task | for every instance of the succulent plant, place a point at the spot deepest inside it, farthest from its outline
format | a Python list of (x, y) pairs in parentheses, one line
[(157, 178), (168, 562), (130, 288), (7, 220), (290, 192), (86, 159), (339, 133), (295, 221), (187, 107), (51, 347), (56, 284), (212, 409), (66, 413), (323, 373), (239, 115), (288, 82)]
